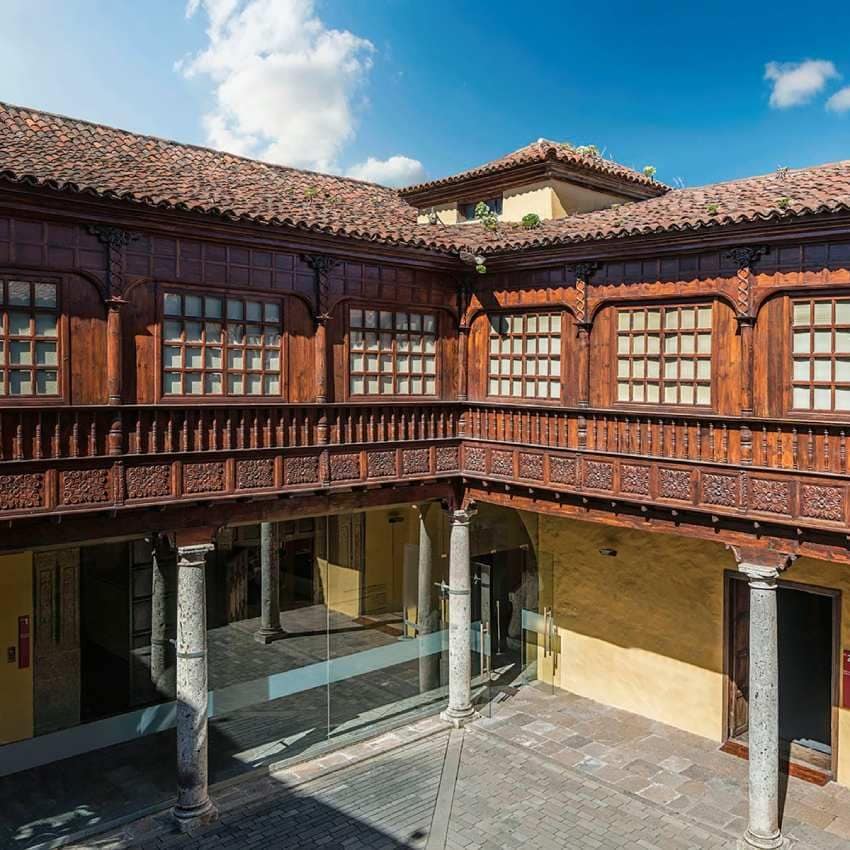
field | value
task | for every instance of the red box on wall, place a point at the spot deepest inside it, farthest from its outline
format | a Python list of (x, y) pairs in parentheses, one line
[(23, 642)]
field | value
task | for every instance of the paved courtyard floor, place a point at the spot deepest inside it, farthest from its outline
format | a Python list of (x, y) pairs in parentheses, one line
[(541, 771)]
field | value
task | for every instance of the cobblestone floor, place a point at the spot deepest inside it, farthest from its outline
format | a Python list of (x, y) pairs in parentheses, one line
[(541, 772)]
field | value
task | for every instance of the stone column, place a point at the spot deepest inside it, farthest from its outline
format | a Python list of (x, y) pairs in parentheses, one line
[(163, 566), (460, 709), (762, 568), (194, 806), (427, 616), (270, 629)]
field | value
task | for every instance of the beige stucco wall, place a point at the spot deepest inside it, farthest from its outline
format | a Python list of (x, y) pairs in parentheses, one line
[(537, 198), (446, 212), (572, 199)]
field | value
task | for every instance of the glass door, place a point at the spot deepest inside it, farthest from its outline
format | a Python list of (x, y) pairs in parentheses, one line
[(540, 641)]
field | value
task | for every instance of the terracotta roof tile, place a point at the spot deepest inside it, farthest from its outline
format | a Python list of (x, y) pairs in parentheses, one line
[(61, 153)]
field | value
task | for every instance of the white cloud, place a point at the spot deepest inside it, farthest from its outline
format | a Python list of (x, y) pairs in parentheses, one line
[(286, 86), (394, 171), (840, 101), (795, 83)]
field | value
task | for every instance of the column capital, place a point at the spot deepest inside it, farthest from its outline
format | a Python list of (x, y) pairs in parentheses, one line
[(761, 565), (463, 516), (194, 555)]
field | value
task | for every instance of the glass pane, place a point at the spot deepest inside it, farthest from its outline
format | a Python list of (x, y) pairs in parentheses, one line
[(531, 324), (622, 392), (386, 385), (429, 323), (372, 384), (703, 394), (193, 331), (403, 385), (686, 394), (194, 358), (416, 322), (638, 320), (271, 312), (703, 369), (555, 367), (236, 334), (235, 359), (653, 319), (192, 383), (842, 370), (842, 399), (272, 361), (623, 320), (688, 318), (842, 342), (213, 358), (45, 354), (212, 331), (823, 340), (213, 308), (687, 343), (622, 345), (671, 344), (430, 365), (823, 312), (235, 309), (357, 362), (543, 324), (271, 384), (671, 319), (556, 324), (493, 387), (212, 383), (638, 345), (653, 393), (653, 344), (653, 368), (356, 339), (430, 344), (171, 304), (802, 313), (371, 318), (637, 392), (253, 311), (47, 382), (385, 363), (45, 325), (802, 342), (401, 322), (19, 324), (842, 312), (823, 400), (823, 370), (45, 294), (686, 370), (430, 385), (19, 293), (704, 317), (637, 369), (20, 382), (671, 369), (386, 319), (357, 384), (20, 353), (192, 305), (253, 384), (802, 400), (356, 318), (253, 335), (253, 359), (2, 358), (670, 396), (802, 370), (171, 383), (172, 329), (235, 384)]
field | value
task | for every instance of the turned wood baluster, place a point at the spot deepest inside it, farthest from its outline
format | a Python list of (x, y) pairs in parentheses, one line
[(93, 434), (18, 451), (686, 437), (56, 448), (725, 444), (826, 458), (36, 442), (842, 452), (810, 450)]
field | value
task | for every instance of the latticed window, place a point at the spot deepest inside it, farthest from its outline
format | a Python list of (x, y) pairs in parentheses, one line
[(29, 338), (821, 350), (392, 352), (220, 346), (664, 355), (525, 356)]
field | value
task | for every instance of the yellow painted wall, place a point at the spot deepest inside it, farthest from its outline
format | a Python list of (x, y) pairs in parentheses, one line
[(385, 556), (537, 198), (16, 716), (642, 631), (447, 213)]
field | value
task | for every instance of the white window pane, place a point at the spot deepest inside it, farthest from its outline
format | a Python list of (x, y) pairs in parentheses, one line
[(357, 385), (371, 341), (415, 343), (212, 331), (823, 370), (213, 307), (802, 370), (20, 353), (556, 324), (253, 384), (235, 384), (172, 384), (686, 370), (172, 329), (253, 335), (530, 389), (430, 365), (653, 319), (45, 354), (670, 396), (802, 342), (212, 358), (504, 387), (703, 369), (531, 324), (554, 389), (357, 339), (622, 392), (416, 385), (429, 344), (653, 393), (531, 345), (823, 312), (637, 392), (555, 367), (703, 394), (171, 357), (271, 361), (370, 318), (430, 386), (543, 324), (404, 385), (2, 358), (653, 368), (357, 362), (823, 400), (638, 320), (415, 364), (688, 318), (371, 362), (372, 384), (823, 340), (385, 363), (386, 385), (193, 358), (671, 319), (193, 331), (403, 342), (623, 320), (622, 345), (416, 322), (638, 369), (493, 386), (842, 370), (253, 359), (543, 367), (543, 347), (46, 382), (802, 400), (19, 293), (386, 319), (687, 344), (704, 343), (842, 399), (271, 312), (235, 359), (842, 312), (704, 317), (212, 383), (357, 318), (20, 382), (236, 334), (494, 365), (45, 325), (508, 364), (171, 304), (802, 313), (653, 344), (192, 305), (403, 363), (515, 324), (842, 342), (19, 324), (45, 294), (671, 344), (686, 394), (192, 383), (429, 324), (671, 369), (638, 345)]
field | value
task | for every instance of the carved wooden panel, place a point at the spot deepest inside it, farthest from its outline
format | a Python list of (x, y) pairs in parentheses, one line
[(563, 470), (204, 477), (502, 463), (599, 475), (634, 478), (770, 496), (380, 464), (720, 489), (303, 469), (674, 484), (85, 486), (345, 466), (448, 458), (21, 491), (822, 502), (415, 461), (531, 466), (475, 458), (148, 482)]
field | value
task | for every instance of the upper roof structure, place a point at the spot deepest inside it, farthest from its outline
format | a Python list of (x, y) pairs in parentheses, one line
[(65, 154)]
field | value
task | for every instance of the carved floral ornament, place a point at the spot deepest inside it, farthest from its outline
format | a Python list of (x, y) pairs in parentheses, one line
[(322, 265), (744, 258), (115, 239)]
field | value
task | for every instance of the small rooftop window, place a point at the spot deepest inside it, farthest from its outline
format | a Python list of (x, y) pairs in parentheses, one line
[(466, 212)]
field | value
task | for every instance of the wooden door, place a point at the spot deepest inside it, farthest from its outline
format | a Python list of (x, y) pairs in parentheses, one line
[(238, 569), (739, 657)]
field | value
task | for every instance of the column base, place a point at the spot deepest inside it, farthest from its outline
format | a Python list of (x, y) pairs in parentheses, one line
[(189, 820), (759, 842), (266, 636), (459, 717)]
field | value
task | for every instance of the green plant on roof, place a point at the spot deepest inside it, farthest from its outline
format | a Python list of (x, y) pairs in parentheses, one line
[(783, 170), (587, 150), (311, 192), (486, 216), (712, 209), (530, 221), (783, 203), (649, 171)]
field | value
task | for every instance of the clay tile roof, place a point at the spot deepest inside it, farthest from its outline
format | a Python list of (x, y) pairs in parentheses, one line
[(541, 151), (42, 149)]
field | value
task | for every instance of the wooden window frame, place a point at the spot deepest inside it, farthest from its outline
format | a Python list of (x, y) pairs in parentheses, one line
[(831, 355), (499, 203), (524, 355), (662, 331), (222, 398), (393, 351), (62, 367)]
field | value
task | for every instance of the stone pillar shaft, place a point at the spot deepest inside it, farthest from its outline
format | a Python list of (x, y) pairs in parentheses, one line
[(763, 830), (269, 584), (426, 611), (460, 709), (193, 803), (163, 557)]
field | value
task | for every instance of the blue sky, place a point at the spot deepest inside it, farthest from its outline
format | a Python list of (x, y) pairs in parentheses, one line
[(396, 89)]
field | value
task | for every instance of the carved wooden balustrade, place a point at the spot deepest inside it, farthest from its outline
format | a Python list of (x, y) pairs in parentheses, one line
[(781, 470)]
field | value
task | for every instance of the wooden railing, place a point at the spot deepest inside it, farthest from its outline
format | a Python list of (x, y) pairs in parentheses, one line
[(60, 433), (770, 444)]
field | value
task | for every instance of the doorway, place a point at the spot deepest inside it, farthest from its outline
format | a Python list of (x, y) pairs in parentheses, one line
[(808, 623)]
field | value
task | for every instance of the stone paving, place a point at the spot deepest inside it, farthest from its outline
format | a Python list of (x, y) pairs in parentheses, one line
[(540, 772)]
